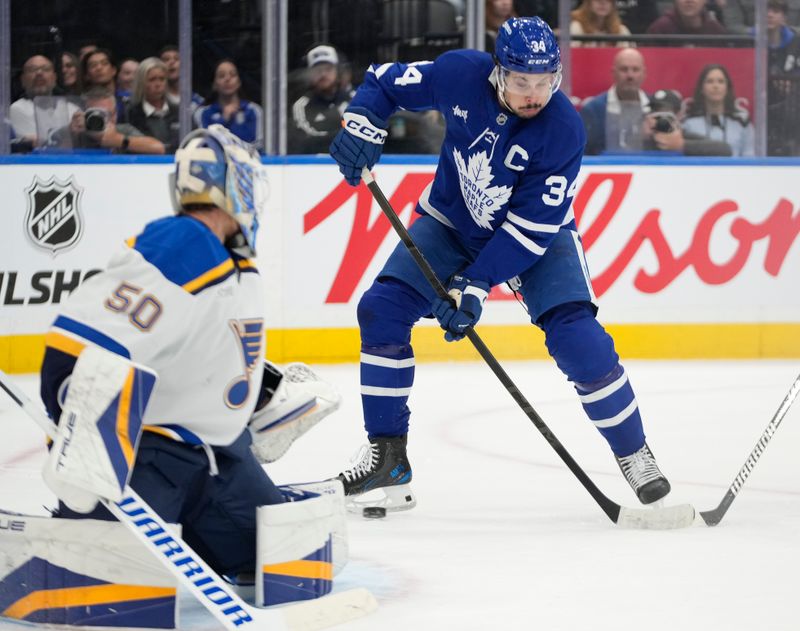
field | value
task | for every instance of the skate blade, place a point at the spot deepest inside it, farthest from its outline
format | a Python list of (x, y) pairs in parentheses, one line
[(392, 498)]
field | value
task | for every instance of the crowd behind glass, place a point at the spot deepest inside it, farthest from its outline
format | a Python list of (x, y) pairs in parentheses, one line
[(82, 90)]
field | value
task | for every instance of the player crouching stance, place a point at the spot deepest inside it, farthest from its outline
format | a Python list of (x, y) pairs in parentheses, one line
[(183, 300), (498, 210)]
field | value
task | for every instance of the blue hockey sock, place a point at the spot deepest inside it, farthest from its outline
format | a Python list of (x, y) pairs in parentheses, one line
[(585, 353), (611, 406), (387, 374)]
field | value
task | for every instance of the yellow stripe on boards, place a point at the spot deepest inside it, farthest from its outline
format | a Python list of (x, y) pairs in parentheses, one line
[(302, 569), (23, 353), (83, 597)]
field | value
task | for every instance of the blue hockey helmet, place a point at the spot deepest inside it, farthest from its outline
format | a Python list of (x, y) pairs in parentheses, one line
[(214, 167), (526, 46)]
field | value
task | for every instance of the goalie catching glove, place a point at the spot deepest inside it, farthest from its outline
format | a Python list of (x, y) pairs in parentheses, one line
[(291, 403)]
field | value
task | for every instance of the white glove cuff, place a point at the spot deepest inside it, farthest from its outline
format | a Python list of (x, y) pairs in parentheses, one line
[(359, 126)]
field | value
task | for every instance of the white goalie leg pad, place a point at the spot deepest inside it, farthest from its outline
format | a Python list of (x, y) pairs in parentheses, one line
[(81, 572), (98, 433), (301, 401), (293, 551), (340, 548)]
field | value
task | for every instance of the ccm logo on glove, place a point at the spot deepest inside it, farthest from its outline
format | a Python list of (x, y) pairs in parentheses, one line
[(360, 127)]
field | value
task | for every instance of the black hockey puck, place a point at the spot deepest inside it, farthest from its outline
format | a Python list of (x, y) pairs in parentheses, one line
[(374, 512)]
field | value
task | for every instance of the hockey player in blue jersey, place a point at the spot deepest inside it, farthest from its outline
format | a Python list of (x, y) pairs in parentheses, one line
[(498, 210)]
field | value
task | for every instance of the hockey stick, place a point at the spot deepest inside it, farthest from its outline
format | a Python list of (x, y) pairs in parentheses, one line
[(714, 516), (194, 574), (653, 518)]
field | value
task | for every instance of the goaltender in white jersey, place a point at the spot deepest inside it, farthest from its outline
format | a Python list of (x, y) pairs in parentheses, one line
[(184, 300)]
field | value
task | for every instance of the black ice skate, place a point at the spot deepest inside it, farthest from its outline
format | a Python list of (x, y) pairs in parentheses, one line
[(382, 467), (642, 473)]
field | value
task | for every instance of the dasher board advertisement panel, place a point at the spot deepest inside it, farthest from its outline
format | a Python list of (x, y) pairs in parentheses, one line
[(667, 245)]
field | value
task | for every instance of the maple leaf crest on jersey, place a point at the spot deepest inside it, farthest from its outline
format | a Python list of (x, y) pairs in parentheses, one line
[(475, 178)]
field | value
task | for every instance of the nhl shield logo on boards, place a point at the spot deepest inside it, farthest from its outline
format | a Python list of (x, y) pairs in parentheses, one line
[(53, 220)]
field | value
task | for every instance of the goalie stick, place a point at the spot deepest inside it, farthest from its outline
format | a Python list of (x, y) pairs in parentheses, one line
[(194, 574), (714, 516), (679, 516)]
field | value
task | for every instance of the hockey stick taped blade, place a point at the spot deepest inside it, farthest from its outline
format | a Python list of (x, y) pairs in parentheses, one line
[(330, 610), (669, 518)]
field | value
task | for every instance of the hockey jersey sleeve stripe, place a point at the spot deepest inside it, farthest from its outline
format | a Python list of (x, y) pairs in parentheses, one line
[(49, 599), (528, 244), (91, 335), (212, 277), (532, 225)]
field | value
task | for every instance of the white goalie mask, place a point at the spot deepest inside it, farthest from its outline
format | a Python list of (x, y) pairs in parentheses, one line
[(214, 167)]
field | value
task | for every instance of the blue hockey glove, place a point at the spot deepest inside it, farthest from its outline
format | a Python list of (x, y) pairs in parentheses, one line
[(469, 296), (358, 144)]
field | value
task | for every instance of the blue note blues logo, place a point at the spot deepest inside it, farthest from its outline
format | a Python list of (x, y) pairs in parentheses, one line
[(249, 334), (53, 218)]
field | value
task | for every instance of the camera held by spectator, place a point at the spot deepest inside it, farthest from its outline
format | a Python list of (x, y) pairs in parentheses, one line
[(662, 129), (95, 119)]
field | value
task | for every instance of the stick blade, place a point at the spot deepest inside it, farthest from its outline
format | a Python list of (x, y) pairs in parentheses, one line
[(329, 610), (667, 518), (712, 517)]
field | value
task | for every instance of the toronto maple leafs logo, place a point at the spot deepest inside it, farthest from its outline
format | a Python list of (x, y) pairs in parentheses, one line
[(475, 178)]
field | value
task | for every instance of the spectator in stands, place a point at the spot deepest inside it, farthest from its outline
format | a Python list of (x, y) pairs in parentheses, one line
[(662, 129), (495, 13), (713, 113), (545, 9), (125, 78), (149, 110), (687, 17), (613, 119), (783, 87), (597, 17), (316, 116), (38, 113), (86, 49), (70, 78), (226, 106), (98, 70), (96, 127), (783, 40), (637, 15), (171, 57)]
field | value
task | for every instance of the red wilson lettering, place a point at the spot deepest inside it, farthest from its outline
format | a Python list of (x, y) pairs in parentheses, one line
[(779, 229)]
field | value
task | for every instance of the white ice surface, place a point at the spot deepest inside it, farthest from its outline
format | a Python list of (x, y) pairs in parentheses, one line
[(504, 537)]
